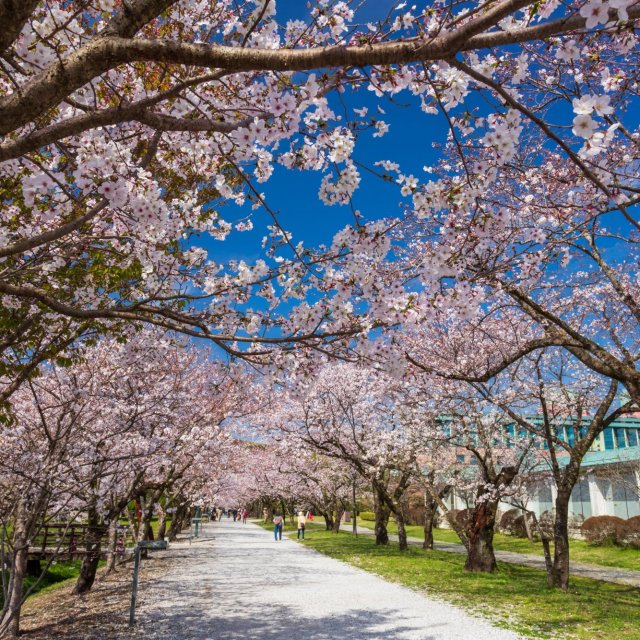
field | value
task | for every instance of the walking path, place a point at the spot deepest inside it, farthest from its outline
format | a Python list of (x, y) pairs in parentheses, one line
[(593, 571), (243, 584)]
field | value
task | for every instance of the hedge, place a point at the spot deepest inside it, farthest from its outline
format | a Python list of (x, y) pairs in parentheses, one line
[(599, 530)]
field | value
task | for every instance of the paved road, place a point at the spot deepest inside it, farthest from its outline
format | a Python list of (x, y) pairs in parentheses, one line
[(243, 584), (596, 572)]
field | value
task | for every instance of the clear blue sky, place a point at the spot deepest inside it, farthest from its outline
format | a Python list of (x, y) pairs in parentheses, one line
[(294, 194)]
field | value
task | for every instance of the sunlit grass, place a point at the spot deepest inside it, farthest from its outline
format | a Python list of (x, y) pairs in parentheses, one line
[(581, 551), (515, 597)]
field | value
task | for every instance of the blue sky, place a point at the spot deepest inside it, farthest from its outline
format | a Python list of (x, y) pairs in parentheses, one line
[(294, 194)]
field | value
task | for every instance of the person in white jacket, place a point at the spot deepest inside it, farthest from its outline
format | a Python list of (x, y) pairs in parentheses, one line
[(302, 522)]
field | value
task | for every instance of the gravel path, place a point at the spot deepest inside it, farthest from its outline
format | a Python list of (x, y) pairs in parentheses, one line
[(616, 575), (240, 583)]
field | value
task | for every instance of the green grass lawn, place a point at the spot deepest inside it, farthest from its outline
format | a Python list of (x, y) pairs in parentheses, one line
[(155, 525), (56, 576), (581, 551), (514, 597)]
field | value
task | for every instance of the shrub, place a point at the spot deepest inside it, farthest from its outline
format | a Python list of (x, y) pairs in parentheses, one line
[(369, 516), (414, 510), (576, 521), (600, 530), (630, 534), (512, 523)]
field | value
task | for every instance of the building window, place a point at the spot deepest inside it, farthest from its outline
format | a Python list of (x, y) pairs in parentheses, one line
[(632, 435), (608, 439), (581, 499), (621, 441)]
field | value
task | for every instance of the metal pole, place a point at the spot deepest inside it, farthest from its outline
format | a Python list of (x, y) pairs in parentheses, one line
[(355, 509), (197, 519), (134, 586)]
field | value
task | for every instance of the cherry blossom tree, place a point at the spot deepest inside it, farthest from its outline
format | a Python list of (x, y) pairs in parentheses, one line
[(128, 125), (544, 394), (130, 418), (33, 475), (484, 462), (356, 416), (573, 406)]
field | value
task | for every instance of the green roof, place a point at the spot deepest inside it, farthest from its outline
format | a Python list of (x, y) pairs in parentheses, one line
[(599, 458), (612, 456)]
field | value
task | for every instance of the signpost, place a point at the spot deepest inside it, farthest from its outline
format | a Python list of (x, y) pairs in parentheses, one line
[(196, 521), (152, 545)]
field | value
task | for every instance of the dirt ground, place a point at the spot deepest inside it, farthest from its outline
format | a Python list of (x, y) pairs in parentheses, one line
[(101, 614)]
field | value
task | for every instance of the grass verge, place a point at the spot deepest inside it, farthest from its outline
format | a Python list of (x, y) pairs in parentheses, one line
[(515, 597), (57, 575), (581, 551)]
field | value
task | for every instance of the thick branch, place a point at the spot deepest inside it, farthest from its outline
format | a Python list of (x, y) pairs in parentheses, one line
[(107, 52), (492, 371), (134, 15), (13, 16), (116, 115)]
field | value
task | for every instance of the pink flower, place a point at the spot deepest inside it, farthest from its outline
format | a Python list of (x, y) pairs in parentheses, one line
[(584, 126), (596, 12)]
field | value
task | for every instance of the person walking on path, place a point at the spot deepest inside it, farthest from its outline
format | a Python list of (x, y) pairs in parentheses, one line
[(277, 527), (302, 521), (244, 516)]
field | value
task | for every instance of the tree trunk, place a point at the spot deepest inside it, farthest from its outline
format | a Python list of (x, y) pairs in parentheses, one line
[(162, 528), (354, 503), (10, 615), (337, 520), (147, 513), (112, 543), (146, 532), (382, 519), (93, 541), (480, 555), (559, 576), (132, 517), (328, 520), (402, 531), (430, 510), (10, 621), (176, 522), (530, 517)]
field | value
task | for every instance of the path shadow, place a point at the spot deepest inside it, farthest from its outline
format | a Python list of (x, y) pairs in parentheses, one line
[(254, 623)]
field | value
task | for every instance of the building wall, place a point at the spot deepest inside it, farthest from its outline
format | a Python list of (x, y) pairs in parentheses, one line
[(593, 495)]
